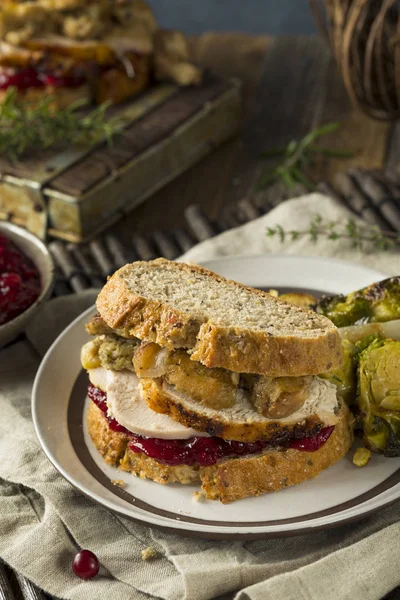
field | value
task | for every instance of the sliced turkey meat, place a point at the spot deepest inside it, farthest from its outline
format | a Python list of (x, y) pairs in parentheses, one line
[(127, 406), (243, 422)]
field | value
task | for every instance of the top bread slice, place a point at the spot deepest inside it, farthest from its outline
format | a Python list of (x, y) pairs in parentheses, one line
[(220, 322)]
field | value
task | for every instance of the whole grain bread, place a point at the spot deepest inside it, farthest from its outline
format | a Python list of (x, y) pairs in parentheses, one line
[(242, 422), (222, 323), (230, 479)]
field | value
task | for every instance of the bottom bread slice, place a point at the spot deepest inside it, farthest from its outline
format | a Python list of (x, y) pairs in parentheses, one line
[(231, 479)]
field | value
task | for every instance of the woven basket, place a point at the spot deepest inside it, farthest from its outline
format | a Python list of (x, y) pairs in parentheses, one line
[(364, 36)]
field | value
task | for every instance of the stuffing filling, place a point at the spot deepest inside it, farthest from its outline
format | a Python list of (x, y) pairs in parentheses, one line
[(215, 388)]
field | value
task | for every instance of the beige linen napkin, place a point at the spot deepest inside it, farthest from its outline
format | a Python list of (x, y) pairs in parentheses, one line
[(44, 521), (293, 214)]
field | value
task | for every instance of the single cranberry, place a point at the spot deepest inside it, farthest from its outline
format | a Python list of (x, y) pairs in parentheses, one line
[(85, 564)]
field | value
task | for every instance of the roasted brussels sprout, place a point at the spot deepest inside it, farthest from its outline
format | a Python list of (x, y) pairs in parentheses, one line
[(376, 303), (345, 377), (378, 395)]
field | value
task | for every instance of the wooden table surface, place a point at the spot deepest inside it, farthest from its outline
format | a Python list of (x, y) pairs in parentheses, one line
[(290, 87)]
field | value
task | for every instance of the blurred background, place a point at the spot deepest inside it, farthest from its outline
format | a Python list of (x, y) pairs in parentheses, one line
[(274, 17)]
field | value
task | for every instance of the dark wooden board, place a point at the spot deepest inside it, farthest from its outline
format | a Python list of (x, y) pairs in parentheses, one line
[(137, 138), (143, 133)]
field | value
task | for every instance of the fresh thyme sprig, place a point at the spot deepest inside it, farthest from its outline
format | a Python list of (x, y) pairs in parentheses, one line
[(361, 237), (27, 128), (297, 156)]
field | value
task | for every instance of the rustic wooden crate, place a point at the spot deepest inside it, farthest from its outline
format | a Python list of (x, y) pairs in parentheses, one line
[(75, 193)]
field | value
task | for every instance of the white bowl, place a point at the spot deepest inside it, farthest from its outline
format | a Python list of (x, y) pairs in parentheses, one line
[(34, 249)]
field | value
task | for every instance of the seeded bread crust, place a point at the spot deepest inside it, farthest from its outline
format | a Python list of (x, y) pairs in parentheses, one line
[(231, 479), (145, 467), (160, 401), (311, 348)]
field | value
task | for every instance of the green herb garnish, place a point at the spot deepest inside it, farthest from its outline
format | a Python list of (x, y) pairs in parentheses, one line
[(28, 128), (361, 236), (297, 156)]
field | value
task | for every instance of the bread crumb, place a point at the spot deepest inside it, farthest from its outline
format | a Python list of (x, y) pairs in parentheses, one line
[(118, 482), (149, 553), (199, 496)]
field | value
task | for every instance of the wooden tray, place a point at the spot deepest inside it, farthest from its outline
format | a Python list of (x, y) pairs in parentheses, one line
[(75, 193)]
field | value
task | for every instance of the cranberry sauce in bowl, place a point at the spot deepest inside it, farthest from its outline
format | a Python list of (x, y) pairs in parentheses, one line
[(20, 282), (200, 450), (26, 279)]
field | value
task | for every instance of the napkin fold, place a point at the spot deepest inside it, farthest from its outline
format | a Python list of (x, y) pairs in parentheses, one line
[(295, 214), (44, 521)]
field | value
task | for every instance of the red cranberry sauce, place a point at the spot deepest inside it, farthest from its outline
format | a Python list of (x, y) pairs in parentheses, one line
[(24, 79), (311, 444), (208, 451), (200, 450), (196, 450), (19, 281)]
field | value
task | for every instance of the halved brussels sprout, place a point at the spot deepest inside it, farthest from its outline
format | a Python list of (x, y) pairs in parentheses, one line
[(378, 395)]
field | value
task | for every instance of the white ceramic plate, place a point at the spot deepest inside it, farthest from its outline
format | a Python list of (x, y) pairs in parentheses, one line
[(339, 494)]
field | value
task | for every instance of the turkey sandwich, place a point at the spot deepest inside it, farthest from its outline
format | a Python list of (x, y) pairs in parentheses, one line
[(198, 379)]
